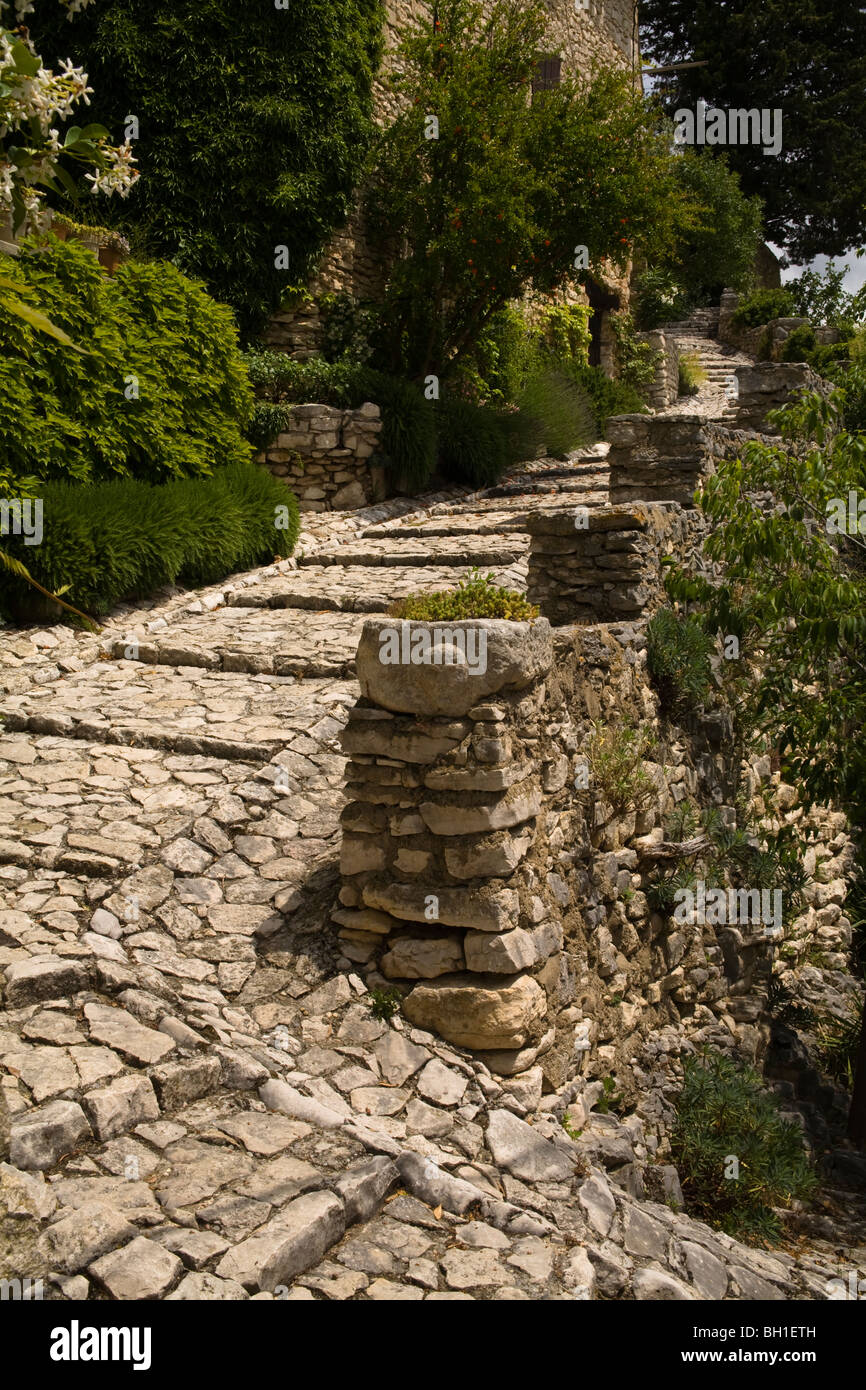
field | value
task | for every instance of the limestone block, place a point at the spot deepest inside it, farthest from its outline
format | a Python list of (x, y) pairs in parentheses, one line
[(348, 497), (478, 1011), (485, 910), (514, 950), (360, 854), (521, 804), (423, 958), (514, 655), (496, 856), (384, 740)]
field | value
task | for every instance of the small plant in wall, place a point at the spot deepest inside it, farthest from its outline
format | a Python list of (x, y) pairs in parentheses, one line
[(385, 1003), (678, 657), (616, 756), (610, 1098)]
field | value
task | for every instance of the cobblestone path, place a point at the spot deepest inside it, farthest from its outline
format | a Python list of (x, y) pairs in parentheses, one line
[(198, 1101)]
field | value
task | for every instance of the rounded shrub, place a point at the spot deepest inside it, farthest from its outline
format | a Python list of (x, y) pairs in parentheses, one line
[(154, 388)]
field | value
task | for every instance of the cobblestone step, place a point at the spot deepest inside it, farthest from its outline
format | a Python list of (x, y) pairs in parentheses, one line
[(363, 589), (218, 714), (408, 552)]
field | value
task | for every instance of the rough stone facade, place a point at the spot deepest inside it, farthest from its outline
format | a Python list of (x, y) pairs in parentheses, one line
[(603, 34), (325, 456)]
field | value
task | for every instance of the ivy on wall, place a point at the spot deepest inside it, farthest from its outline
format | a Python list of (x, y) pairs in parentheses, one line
[(253, 124)]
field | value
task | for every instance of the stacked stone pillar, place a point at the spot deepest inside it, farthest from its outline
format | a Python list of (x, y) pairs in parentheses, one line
[(444, 858)]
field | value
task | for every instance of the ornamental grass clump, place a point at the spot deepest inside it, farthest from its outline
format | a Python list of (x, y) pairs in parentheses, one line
[(111, 541), (476, 596)]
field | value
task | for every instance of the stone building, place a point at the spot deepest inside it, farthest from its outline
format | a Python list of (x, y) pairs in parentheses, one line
[(583, 34)]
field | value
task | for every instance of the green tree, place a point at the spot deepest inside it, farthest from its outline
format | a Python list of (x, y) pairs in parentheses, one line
[(253, 124), (794, 593), (807, 60), (719, 250), (508, 189)]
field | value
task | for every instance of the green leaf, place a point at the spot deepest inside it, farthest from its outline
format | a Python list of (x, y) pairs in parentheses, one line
[(36, 319)]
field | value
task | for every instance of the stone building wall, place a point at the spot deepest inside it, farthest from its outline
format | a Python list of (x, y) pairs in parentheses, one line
[(602, 34), (325, 456)]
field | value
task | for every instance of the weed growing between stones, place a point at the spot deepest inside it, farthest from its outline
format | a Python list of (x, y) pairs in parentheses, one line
[(385, 1003), (616, 756), (738, 1158), (678, 656)]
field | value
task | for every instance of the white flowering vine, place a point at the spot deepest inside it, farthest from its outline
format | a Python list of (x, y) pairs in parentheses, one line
[(35, 154)]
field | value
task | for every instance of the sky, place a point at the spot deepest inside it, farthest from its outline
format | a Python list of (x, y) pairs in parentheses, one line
[(854, 278)]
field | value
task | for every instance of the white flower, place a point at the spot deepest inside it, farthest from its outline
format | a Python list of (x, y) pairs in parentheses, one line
[(7, 182)]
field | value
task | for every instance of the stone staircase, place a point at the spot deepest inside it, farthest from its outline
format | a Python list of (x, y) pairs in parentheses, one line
[(696, 335), (197, 1099)]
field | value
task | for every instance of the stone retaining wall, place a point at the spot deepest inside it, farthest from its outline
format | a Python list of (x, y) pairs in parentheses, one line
[(768, 386), (325, 455), (495, 887), (659, 458), (604, 565), (665, 388)]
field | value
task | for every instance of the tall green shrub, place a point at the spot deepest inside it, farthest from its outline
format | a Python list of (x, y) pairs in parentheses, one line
[(724, 1113), (253, 125), (158, 388)]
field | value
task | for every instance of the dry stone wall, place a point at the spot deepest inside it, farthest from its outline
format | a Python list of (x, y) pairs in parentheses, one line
[(325, 454), (491, 881), (604, 565), (768, 386), (660, 458), (665, 387)]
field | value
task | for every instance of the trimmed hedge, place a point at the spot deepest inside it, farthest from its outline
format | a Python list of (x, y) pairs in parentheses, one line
[(158, 389), (114, 541)]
